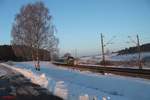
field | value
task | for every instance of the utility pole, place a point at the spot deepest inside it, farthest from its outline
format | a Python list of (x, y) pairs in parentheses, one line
[(103, 47), (139, 51), (103, 55)]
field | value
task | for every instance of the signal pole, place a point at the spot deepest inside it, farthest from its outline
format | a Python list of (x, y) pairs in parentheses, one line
[(139, 50), (103, 55)]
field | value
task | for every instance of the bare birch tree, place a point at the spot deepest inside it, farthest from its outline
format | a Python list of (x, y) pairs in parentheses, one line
[(33, 28)]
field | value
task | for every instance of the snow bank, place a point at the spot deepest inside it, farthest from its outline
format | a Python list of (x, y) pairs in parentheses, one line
[(75, 85), (60, 90), (35, 78), (2, 73), (85, 97)]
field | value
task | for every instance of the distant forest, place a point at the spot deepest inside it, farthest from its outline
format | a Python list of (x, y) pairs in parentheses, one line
[(143, 48), (20, 53)]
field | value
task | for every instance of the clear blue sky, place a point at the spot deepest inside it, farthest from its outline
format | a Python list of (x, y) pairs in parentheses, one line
[(80, 22)]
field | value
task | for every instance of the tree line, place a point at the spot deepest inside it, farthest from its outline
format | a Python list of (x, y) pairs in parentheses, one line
[(144, 48), (21, 53)]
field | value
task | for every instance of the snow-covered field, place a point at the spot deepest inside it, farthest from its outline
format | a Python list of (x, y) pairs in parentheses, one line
[(76, 85), (115, 57), (129, 57)]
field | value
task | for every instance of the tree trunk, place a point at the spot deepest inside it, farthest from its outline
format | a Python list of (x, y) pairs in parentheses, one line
[(38, 61), (33, 57)]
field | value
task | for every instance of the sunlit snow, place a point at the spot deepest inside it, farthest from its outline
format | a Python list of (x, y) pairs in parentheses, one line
[(76, 85)]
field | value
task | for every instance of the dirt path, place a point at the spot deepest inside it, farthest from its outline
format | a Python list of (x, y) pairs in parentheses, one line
[(14, 86)]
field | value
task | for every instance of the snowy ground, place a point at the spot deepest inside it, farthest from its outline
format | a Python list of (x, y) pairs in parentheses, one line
[(129, 57), (75, 85), (116, 57)]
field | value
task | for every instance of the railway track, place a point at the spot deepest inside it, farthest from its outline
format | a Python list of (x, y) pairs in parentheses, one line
[(141, 73)]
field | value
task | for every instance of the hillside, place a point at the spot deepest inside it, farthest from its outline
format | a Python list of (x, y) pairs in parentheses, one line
[(144, 48)]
